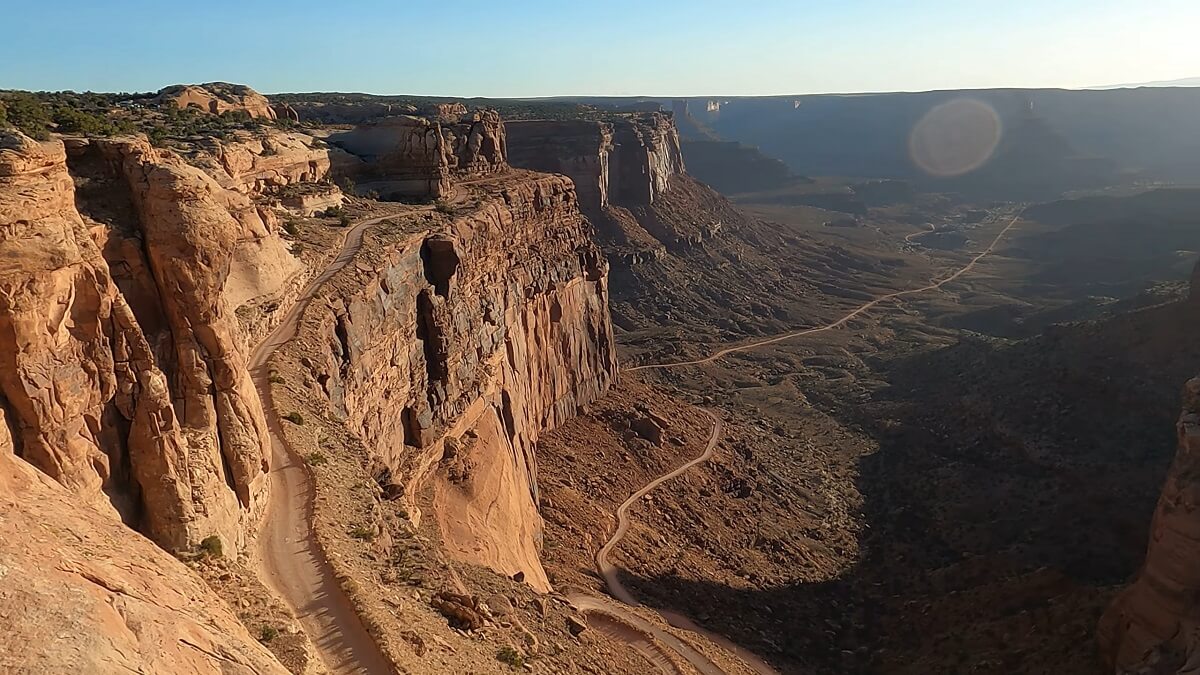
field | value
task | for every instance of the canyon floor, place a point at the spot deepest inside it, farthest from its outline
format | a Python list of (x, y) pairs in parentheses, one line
[(945, 482)]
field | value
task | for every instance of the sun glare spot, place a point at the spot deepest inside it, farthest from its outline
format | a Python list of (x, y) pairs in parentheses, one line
[(955, 137)]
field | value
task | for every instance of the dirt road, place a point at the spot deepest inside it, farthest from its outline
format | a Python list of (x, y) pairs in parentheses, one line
[(291, 560), (590, 604), (612, 579), (840, 322)]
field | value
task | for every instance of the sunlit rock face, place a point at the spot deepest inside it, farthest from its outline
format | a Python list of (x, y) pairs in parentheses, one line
[(408, 156), (125, 378), (465, 344)]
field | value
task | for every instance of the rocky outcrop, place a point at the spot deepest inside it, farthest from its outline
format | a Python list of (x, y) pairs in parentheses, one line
[(577, 148), (647, 156), (81, 593), (422, 156), (1154, 625), (258, 163), (128, 387), (218, 98), (627, 161), (452, 360)]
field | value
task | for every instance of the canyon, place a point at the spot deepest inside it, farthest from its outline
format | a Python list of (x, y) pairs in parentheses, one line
[(418, 387)]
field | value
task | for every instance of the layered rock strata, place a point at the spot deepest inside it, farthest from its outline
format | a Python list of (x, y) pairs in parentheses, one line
[(627, 161), (453, 360), (408, 156)]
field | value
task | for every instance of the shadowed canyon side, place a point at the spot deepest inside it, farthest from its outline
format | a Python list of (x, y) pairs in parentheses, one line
[(1152, 626)]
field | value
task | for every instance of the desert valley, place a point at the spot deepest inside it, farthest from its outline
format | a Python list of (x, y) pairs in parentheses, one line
[(344, 383)]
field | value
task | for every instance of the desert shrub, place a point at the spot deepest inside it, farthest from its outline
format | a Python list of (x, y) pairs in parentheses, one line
[(316, 459), (364, 533), (267, 633), (344, 220), (75, 121), (443, 206), (510, 656), (372, 194), (294, 417), (25, 112), (291, 227), (212, 547)]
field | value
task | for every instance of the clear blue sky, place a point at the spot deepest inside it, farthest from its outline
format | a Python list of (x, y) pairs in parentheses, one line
[(620, 47)]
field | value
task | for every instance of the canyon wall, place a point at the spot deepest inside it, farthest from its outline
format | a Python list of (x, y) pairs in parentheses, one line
[(406, 156), (453, 359), (126, 375), (1153, 627), (579, 149), (628, 161), (647, 156)]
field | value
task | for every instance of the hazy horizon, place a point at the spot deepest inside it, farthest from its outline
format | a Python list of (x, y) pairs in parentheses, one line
[(542, 49)]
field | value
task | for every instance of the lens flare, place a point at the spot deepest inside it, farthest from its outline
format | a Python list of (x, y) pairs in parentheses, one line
[(955, 137)]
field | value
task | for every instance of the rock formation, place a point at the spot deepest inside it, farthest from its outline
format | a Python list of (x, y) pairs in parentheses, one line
[(580, 149), (1154, 625), (647, 156), (81, 593), (422, 156), (627, 161), (218, 98), (126, 379), (452, 360)]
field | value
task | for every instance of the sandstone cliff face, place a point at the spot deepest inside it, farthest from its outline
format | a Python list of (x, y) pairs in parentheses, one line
[(421, 156), (646, 158), (128, 387), (1154, 625), (80, 593), (454, 359), (579, 149), (218, 98), (627, 162)]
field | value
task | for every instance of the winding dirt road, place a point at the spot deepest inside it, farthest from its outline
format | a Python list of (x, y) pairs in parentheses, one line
[(294, 565), (840, 322), (592, 605), (291, 560)]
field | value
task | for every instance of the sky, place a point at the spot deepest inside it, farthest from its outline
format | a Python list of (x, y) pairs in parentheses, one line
[(583, 47)]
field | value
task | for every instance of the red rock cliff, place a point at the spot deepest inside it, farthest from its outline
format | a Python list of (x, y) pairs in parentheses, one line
[(469, 342), (1154, 624), (128, 387), (627, 161)]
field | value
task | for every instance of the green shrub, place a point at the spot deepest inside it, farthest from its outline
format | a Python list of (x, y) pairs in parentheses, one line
[(510, 656), (443, 206), (316, 459), (364, 533), (267, 633), (25, 112), (344, 220), (212, 547), (295, 418), (275, 378), (291, 227)]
